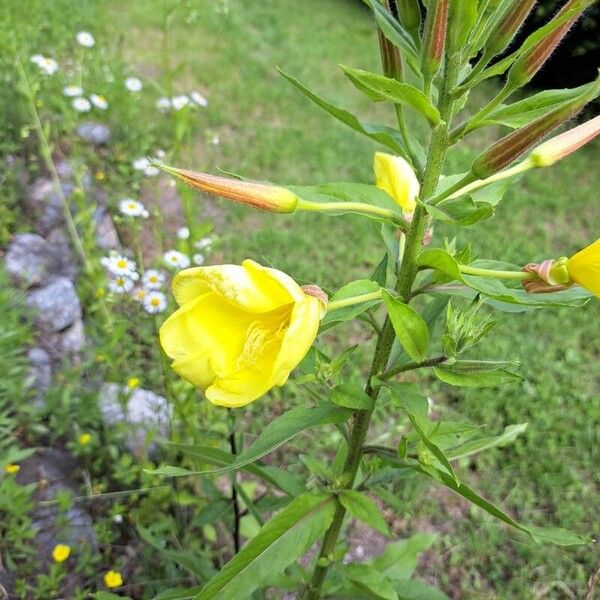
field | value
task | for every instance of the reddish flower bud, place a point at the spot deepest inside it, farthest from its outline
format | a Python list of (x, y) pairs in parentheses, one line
[(566, 143), (263, 196), (552, 276), (434, 38), (508, 26), (390, 55)]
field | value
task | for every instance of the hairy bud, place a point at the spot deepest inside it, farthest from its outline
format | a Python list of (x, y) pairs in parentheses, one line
[(508, 26), (391, 59), (434, 38), (409, 14)]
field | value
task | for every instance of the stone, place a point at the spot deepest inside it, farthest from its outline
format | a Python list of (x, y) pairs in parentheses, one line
[(63, 262), (56, 304), (94, 133), (144, 413), (45, 204), (40, 373), (73, 340), (28, 259), (107, 237)]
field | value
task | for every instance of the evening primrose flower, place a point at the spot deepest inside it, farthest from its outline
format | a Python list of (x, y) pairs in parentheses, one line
[(81, 104), (176, 259), (239, 331), (155, 302), (395, 176), (113, 579), (131, 208), (72, 90), (11, 469), (153, 279), (85, 39), (584, 268), (99, 101), (133, 84), (60, 553)]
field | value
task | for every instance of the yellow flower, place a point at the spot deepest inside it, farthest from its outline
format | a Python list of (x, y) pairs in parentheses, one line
[(85, 438), (395, 176), (584, 268), (100, 175), (113, 579), (133, 382), (11, 469), (60, 553), (240, 330)]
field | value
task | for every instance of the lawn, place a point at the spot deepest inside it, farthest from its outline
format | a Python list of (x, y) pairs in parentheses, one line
[(231, 50)]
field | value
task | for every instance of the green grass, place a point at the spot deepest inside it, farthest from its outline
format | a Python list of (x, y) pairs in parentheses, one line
[(269, 131)]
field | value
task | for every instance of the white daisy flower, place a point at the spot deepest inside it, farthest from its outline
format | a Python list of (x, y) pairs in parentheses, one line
[(154, 303), (159, 153), (120, 284), (81, 104), (48, 66), (121, 265), (99, 101), (72, 90), (163, 104), (198, 259), (86, 39), (151, 171), (153, 279), (204, 242), (36, 59), (176, 260), (139, 294), (180, 101), (141, 163), (183, 233), (133, 84), (199, 99), (131, 208)]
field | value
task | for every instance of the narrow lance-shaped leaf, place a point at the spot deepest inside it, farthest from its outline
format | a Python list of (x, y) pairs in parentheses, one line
[(364, 509)]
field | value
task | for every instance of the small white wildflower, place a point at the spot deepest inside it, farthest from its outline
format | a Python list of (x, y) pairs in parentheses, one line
[(99, 101), (159, 153), (131, 208), (183, 233), (133, 84), (81, 104), (204, 242), (151, 171), (199, 99), (121, 265), (198, 259), (180, 101), (139, 294), (145, 214), (163, 104), (153, 279), (36, 59), (176, 259), (216, 140), (86, 39), (120, 284), (72, 90), (154, 303), (141, 163), (118, 519), (48, 66)]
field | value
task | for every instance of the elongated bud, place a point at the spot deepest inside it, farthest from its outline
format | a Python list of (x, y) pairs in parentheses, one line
[(566, 143), (551, 276), (258, 195), (508, 26), (510, 147), (434, 39), (532, 60), (409, 14), (390, 55)]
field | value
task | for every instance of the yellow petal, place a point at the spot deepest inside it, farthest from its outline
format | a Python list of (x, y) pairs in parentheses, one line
[(584, 268), (395, 176)]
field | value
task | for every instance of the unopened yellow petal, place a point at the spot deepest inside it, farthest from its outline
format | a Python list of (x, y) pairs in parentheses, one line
[(584, 268), (395, 176)]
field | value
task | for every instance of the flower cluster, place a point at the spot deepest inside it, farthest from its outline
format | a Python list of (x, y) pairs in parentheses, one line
[(193, 99), (48, 66)]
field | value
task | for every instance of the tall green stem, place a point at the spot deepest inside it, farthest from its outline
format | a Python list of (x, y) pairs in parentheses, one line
[(408, 272)]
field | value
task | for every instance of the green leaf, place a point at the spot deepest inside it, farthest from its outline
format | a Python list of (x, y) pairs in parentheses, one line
[(361, 507), (370, 581), (441, 260), (379, 88), (413, 589), (561, 537), (470, 447), (282, 540), (380, 133), (399, 559), (352, 396), (454, 375), (461, 20), (178, 593), (355, 288), (409, 326), (109, 596), (463, 211), (275, 434)]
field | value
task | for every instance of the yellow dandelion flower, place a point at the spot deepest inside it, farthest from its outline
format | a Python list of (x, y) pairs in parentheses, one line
[(11, 469), (113, 579), (133, 382), (84, 439), (60, 553)]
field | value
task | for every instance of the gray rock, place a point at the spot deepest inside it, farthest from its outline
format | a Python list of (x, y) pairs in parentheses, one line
[(45, 204), (94, 133), (73, 340), (40, 373), (107, 237), (63, 262), (144, 413), (56, 304), (28, 259)]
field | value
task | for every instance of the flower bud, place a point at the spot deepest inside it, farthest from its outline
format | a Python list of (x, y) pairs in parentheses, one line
[(510, 147), (434, 37), (263, 196), (395, 176), (532, 60), (552, 276), (390, 57), (409, 14), (508, 26), (566, 143)]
